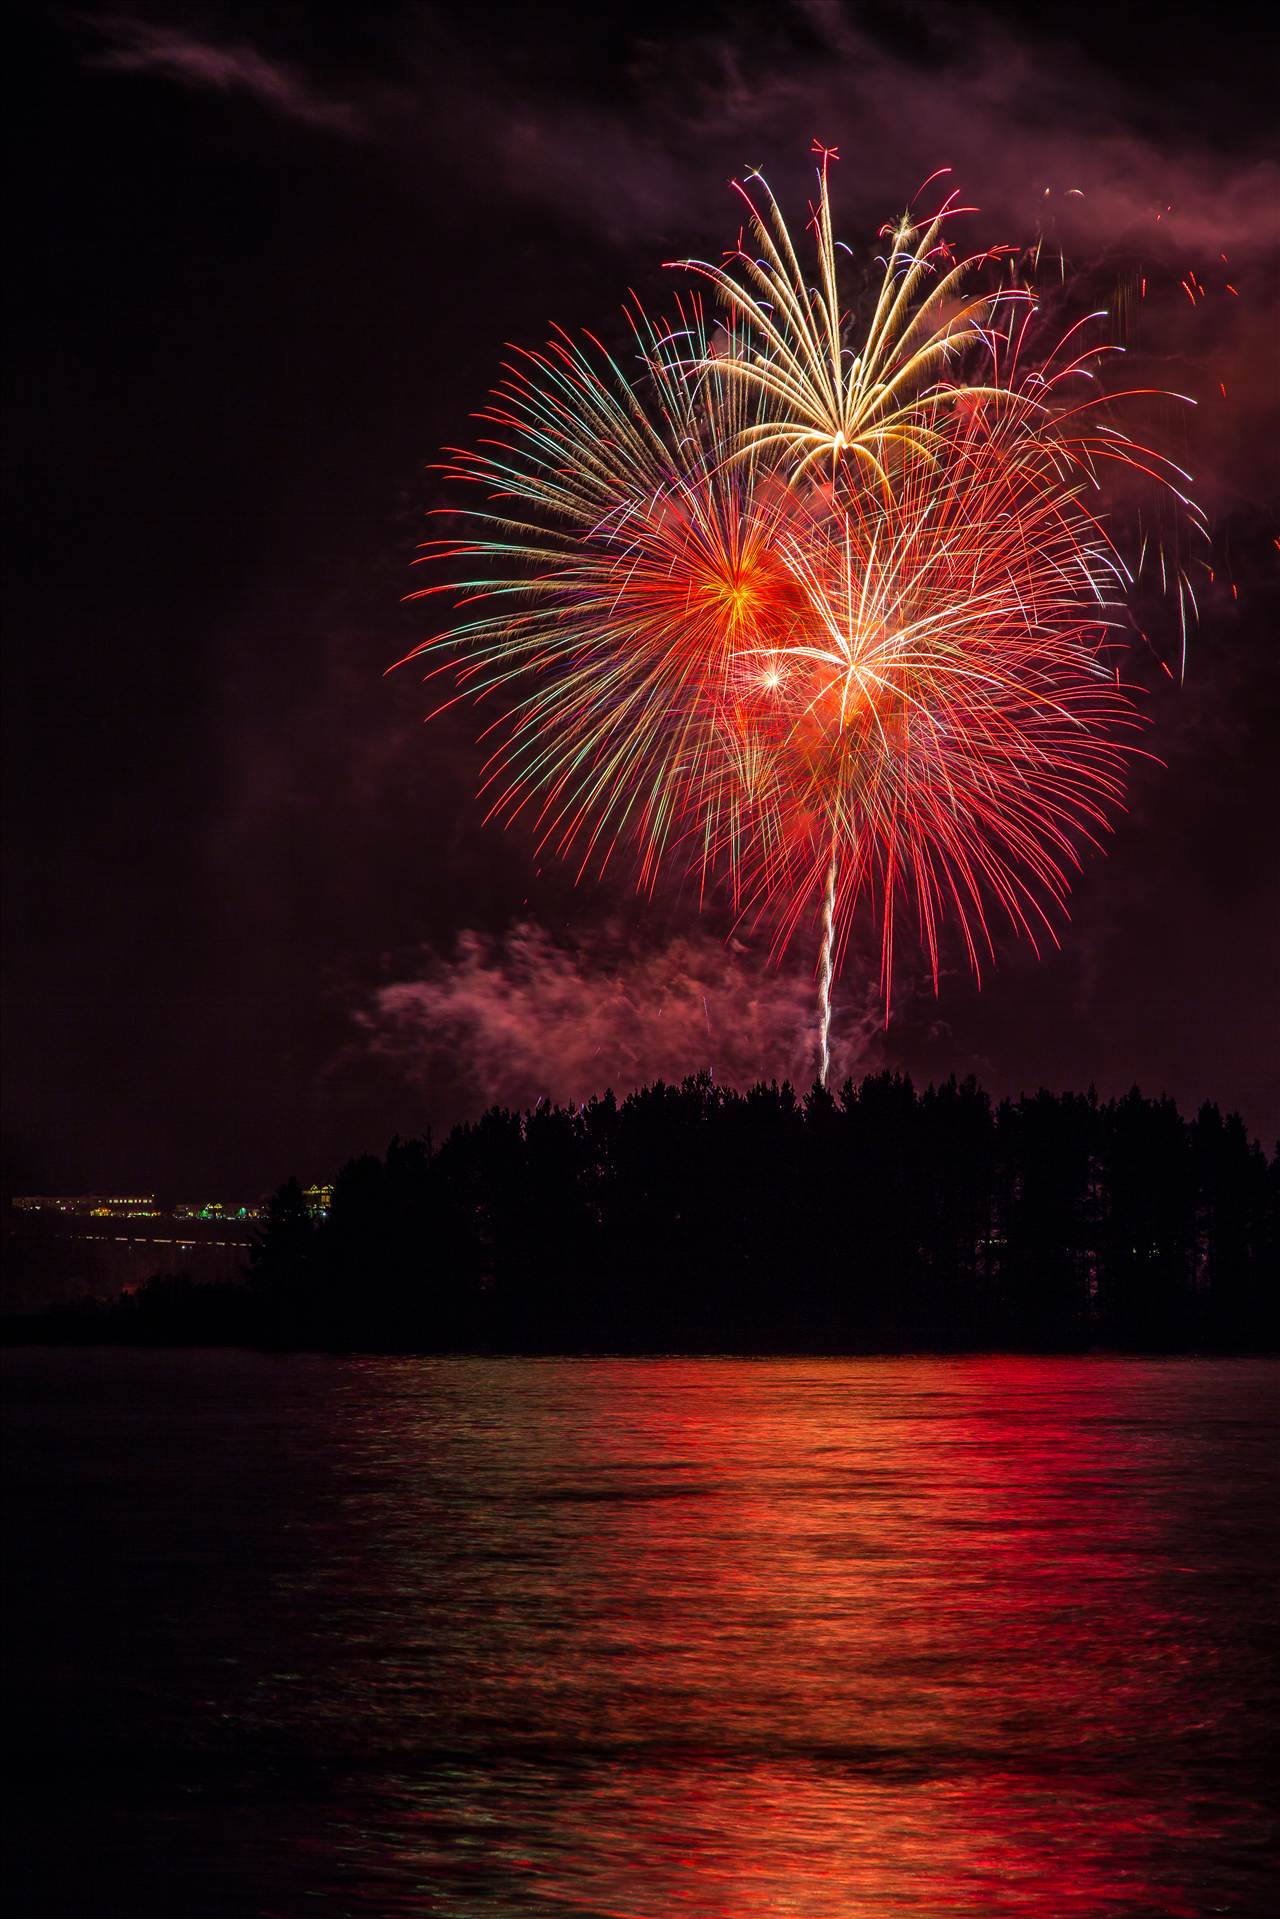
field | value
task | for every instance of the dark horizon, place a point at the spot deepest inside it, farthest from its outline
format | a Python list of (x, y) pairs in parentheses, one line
[(185, 1191), (691, 1218)]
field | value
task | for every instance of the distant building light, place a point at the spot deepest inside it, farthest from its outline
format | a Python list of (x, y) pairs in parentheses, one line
[(318, 1199), (90, 1205), (215, 1209)]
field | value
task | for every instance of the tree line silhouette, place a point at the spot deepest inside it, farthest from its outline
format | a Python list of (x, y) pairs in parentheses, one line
[(698, 1218)]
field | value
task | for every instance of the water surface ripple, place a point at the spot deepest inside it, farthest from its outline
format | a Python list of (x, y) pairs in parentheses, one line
[(712, 1638)]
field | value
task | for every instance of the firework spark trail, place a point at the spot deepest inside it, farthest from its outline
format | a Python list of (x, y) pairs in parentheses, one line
[(829, 610), (825, 959)]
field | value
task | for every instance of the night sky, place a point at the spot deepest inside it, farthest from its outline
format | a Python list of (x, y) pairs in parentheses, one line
[(266, 268)]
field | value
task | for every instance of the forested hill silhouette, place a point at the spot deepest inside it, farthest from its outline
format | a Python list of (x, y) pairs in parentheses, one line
[(697, 1218)]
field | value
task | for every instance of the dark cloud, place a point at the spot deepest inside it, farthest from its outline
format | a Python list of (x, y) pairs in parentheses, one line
[(632, 132), (1027, 129), (135, 46)]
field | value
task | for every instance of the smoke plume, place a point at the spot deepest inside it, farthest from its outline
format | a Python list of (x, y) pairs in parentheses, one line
[(522, 1018)]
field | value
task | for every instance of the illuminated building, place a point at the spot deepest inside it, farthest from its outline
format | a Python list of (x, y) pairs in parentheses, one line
[(90, 1205), (216, 1209)]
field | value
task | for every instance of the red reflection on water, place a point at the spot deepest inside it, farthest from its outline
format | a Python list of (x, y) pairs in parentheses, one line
[(905, 1617)]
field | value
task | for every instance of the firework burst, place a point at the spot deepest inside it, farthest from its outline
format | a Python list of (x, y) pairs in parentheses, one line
[(829, 608), (628, 588), (837, 394)]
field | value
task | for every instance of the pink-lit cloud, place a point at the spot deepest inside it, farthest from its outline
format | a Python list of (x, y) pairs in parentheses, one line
[(1017, 118), (1023, 125), (523, 1018), (141, 46)]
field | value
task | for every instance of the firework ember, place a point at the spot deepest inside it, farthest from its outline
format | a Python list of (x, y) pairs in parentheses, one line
[(829, 610)]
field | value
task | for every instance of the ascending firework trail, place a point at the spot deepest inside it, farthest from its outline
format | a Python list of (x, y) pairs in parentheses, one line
[(825, 960)]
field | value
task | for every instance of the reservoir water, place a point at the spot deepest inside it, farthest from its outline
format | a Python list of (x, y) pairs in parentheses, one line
[(665, 1639)]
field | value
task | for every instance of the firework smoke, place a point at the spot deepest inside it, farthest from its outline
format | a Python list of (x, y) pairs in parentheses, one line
[(525, 1017)]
